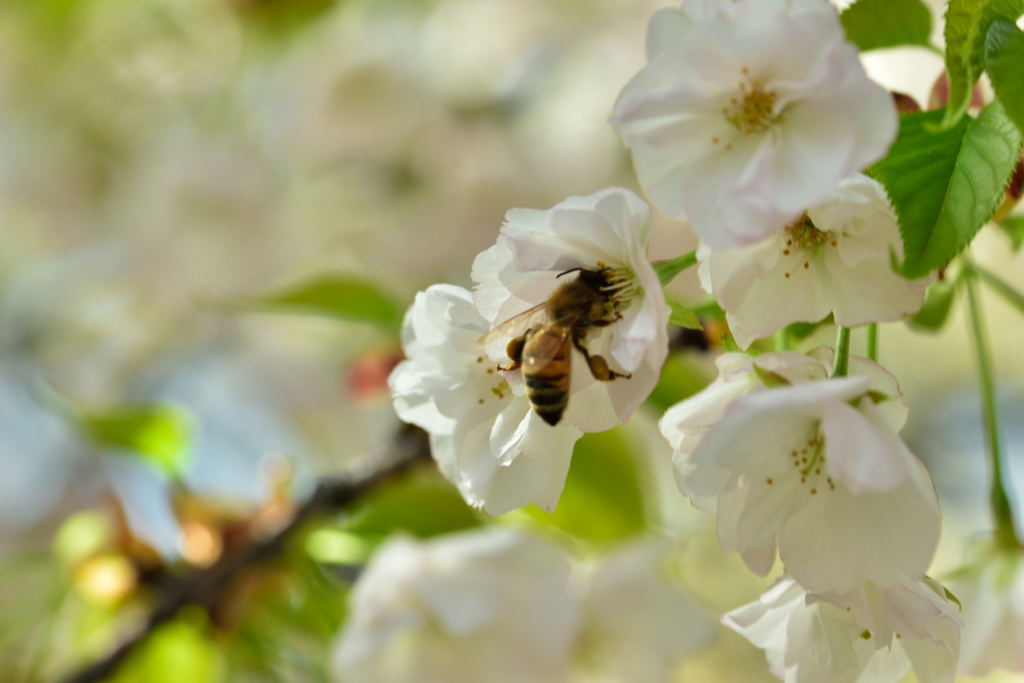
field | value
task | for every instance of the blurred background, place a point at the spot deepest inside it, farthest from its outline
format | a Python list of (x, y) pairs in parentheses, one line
[(193, 193)]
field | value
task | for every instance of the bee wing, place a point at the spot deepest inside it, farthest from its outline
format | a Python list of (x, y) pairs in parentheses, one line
[(495, 340)]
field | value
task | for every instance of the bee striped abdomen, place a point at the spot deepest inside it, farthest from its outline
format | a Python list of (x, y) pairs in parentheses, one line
[(546, 370)]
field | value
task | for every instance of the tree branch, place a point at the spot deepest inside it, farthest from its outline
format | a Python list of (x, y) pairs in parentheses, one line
[(203, 586)]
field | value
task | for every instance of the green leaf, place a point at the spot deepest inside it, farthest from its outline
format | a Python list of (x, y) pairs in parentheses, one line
[(667, 270), (158, 434), (683, 316), (335, 295), (946, 184), (422, 504), (967, 25), (1004, 61), (603, 498), (874, 24), (938, 303), (1013, 226)]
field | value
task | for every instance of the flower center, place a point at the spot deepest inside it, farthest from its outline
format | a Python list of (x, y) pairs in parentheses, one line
[(809, 462), (500, 387), (752, 110), (803, 236), (619, 287)]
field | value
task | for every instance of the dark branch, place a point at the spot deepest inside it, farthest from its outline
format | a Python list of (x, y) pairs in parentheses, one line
[(203, 586)]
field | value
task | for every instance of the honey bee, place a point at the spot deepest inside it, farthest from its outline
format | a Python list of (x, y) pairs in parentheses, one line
[(552, 329)]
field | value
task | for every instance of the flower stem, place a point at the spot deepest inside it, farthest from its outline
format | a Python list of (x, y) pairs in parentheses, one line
[(873, 341), (1002, 511), (1000, 286), (842, 362), (667, 270)]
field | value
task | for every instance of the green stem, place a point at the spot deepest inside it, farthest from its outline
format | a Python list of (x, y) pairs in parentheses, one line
[(1000, 286), (842, 362), (667, 270), (1002, 511), (873, 341)]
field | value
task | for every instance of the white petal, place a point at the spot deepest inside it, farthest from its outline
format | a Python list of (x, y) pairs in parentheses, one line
[(537, 471), (866, 456), (841, 539)]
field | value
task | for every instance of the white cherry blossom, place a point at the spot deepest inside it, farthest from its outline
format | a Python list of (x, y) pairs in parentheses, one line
[(635, 624), (869, 635), (739, 374), (836, 258), (483, 434), (607, 229), (748, 112), (811, 466), (993, 598), (471, 607), (498, 605)]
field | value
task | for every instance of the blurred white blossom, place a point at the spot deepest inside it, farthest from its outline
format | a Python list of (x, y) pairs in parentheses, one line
[(484, 435), (813, 466), (749, 112), (499, 605), (607, 229), (836, 258), (489, 606), (636, 626), (869, 635)]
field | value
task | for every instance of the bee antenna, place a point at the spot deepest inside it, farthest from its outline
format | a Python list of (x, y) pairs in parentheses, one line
[(571, 270)]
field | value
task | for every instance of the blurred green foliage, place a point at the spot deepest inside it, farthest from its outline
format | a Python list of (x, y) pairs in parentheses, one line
[(179, 652), (681, 377), (157, 434), (422, 504), (604, 496), (1013, 226), (938, 303), (335, 295)]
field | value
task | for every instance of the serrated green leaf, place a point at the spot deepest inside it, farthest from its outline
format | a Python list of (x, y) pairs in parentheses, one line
[(683, 316), (874, 24), (1013, 226), (603, 497), (157, 434), (967, 25), (335, 295), (1004, 61), (421, 504), (938, 303), (946, 184)]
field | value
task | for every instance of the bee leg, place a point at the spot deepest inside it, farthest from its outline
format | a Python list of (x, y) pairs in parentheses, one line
[(514, 349), (607, 321), (598, 365)]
